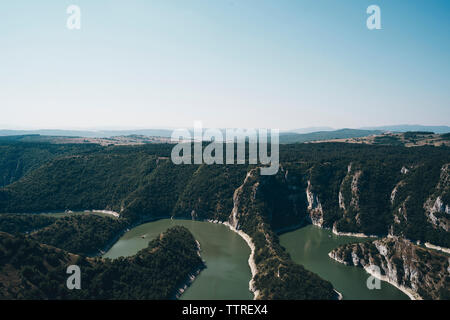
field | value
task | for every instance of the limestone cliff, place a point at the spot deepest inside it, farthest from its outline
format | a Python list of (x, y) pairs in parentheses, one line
[(314, 206), (421, 273), (349, 195), (437, 207)]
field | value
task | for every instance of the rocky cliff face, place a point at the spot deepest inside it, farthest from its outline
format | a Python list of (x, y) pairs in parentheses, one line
[(314, 206), (421, 273), (400, 215), (437, 209), (349, 195), (237, 195), (408, 200)]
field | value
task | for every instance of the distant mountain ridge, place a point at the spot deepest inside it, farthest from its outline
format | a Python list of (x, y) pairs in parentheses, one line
[(310, 129), (87, 133), (411, 127), (290, 136)]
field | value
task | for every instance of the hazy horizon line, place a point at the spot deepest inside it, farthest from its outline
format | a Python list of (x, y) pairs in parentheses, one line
[(128, 128)]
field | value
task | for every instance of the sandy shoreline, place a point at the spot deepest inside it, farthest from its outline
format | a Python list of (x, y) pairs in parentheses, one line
[(340, 296), (251, 260), (112, 213), (410, 293), (432, 246)]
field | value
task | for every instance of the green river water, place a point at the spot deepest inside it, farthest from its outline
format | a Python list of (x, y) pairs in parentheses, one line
[(226, 255), (227, 273), (310, 246)]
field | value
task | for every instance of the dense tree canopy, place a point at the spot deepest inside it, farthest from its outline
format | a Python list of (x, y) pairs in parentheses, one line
[(29, 270)]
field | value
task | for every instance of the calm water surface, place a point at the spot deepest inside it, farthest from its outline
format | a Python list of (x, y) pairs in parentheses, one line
[(310, 246), (226, 256), (227, 273)]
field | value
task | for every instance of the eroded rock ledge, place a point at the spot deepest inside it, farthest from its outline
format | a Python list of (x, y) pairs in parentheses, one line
[(420, 273)]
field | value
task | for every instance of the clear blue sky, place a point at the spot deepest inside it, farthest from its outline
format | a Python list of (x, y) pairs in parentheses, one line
[(242, 63)]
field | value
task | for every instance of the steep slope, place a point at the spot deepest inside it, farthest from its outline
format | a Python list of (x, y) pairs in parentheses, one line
[(419, 203), (437, 206), (421, 273), (275, 276), (23, 223), (100, 180), (158, 193), (18, 159), (209, 192), (86, 235)]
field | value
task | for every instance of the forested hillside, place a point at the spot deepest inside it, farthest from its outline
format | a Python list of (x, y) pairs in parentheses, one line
[(30, 270), (353, 188), (17, 159), (86, 235), (24, 223)]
